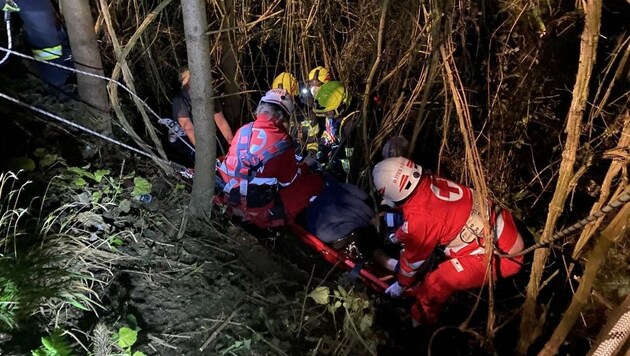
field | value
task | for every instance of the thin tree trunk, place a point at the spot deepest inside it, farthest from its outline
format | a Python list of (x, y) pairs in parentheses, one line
[(588, 51), (368, 85), (613, 233), (201, 93), (87, 58)]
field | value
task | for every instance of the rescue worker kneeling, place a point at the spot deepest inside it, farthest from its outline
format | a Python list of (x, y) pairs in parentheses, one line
[(264, 184), (440, 213)]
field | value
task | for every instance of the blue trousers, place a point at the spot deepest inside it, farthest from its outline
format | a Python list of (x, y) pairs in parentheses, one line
[(337, 211), (40, 27)]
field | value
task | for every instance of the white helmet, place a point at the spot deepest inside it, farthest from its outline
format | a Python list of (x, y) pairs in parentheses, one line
[(396, 178), (281, 98)]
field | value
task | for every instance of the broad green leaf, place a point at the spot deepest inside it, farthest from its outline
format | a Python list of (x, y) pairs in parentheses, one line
[(140, 186), (179, 187), (22, 163), (98, 175), (81, 172), (116, 242), (48, 160), (127, 337), (79, 182), (138, 353), (320, 295), (40, 152)]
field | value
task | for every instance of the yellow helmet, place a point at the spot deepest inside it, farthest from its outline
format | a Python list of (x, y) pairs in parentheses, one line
[(332, 99), (320, 74), (286, 81)]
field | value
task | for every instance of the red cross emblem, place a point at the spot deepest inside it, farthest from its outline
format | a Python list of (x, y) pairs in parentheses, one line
[(446, 190)]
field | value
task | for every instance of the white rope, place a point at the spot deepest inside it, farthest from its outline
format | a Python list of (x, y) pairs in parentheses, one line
[(7, 20), (9, 51), (92, 132), (615, 337), (125, 88)]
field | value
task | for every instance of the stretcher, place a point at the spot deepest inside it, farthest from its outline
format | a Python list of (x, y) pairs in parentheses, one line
[(372, 275)]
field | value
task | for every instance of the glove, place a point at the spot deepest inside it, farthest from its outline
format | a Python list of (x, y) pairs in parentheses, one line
[(395, 290)]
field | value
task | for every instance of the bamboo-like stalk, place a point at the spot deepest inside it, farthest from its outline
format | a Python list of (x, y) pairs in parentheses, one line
[(588, 51), (612, 234), (475, 167), (368, 85), (113, 90), (615, 168)]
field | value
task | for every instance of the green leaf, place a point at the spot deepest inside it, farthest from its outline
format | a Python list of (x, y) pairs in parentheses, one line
[(40, 152), (79, 182), (98, 175), (81, 172), (366, 322), (124, 206), (75, 303), (320, 295), (179, 187), (141, 186), (96, 196), (48, 160), (48, 344), (138, 353), (127, 337), (22, 163), (116, 242)]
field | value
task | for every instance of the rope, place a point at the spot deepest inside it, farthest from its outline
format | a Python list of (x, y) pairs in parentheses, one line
[(125, 88), (623, 198), (146, 106), (7, 20), (615, 337), (91, 132)]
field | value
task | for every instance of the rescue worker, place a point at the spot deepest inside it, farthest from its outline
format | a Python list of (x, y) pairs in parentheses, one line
[(44, 36), (287, 81), (439, 213), (307, 129), (264, 184), (182, 114), (312, 126), (333, 102), (317, 77)]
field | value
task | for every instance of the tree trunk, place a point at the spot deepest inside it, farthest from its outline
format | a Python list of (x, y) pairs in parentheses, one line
[(201, 93), (87, 58)]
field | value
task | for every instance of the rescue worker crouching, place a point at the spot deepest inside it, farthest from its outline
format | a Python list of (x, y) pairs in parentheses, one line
[(333, 102), (264, 184), (440, 213)]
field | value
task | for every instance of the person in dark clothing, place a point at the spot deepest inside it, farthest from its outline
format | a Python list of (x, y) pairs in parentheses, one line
[(182, 115)]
